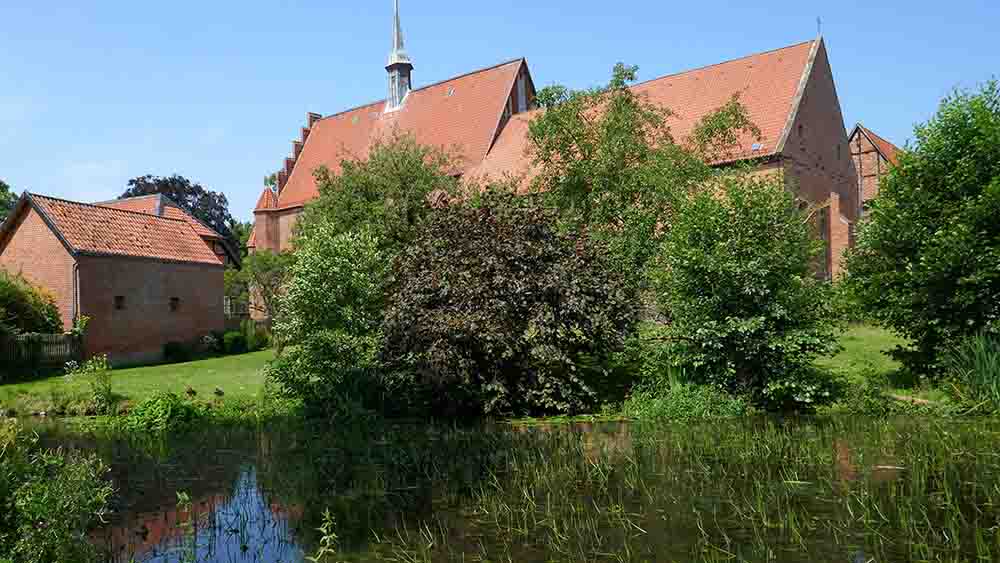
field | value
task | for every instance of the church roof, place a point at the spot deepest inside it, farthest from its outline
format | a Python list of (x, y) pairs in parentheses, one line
[(768, 85), (461, 115), (464, 114)]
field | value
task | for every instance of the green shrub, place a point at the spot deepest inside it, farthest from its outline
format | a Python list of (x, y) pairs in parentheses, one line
[(684, 401), (927, 256), (331, 313), (973, 371), (867, 397), (802, 390), (50, 499), (26, 308), (97, 372), (746, 312), (162, 412), (234, 342), (176, 352), (494, 310)]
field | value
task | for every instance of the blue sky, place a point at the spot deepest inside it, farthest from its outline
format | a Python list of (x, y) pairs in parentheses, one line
[(95, 93)]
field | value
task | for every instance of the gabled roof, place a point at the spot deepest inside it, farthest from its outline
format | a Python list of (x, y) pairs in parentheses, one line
[(888, 150), (769, 85), (108, 231), (461, 115), (159, 204)]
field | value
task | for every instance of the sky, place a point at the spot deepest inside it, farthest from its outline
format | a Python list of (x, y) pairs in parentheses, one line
[(95, 93)]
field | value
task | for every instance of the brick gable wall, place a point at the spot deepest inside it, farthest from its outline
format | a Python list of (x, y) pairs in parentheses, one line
[(138, 332), (36, 252), (817, 159), (870, 166)]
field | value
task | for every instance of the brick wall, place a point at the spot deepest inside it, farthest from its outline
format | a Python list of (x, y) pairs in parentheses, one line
[(817, 158), (36, 252), (138, 331), (869, 165)]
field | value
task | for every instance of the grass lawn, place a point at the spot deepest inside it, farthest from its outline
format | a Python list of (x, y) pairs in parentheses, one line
[(237, 376), (864, 350)]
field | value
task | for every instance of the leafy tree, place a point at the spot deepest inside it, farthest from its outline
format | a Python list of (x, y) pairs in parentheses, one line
[(332, 311), (927, 260), (260, 281), (390, 193), (608, 161), (241, 235), (210, 207), (7, 200), (746, 313), (495, 311)]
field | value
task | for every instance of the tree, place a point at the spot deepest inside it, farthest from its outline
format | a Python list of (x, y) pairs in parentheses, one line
[(608, 161), (746, 313), (390, 193), (7, 200), (495, 311), (927, 259), (212, 208), (261, 281), (332, 311), (241, 234)]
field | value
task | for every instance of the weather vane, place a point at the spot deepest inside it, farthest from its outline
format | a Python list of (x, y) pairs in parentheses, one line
[(819, 26)]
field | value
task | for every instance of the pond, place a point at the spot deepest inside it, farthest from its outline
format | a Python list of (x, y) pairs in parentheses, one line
[(794, 490)]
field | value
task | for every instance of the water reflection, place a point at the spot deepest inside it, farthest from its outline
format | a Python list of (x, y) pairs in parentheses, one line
[(808, 491), (239, 526)]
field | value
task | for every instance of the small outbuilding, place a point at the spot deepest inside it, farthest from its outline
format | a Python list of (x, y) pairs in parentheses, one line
[(142, 270)]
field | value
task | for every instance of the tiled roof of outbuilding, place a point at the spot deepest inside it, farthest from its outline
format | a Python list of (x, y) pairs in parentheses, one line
[(103, 230)]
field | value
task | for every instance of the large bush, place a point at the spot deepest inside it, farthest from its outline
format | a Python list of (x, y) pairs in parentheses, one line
[(332, 311), (25, 307), (745, 311), (48, 500), (927, 261), (495, 311)]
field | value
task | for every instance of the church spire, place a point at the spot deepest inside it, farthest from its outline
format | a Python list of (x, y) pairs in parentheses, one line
[(399, 67)]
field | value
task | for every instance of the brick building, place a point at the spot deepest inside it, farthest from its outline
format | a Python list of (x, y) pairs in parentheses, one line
[(873, 156), (144, 271), (483, 117)]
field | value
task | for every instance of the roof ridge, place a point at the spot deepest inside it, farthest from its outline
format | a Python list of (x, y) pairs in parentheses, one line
[(431, 85), (733, 60), (130, 198), (877, 136), (94, 205)]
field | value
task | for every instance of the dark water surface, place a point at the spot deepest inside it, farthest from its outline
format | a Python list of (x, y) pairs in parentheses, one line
[(806, 490)]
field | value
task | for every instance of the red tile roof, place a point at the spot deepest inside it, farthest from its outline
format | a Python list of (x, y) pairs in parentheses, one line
[(267, 200), (252, 239), (102, 230), (768, 85), (158, 204), (887, 149), (461, 115)]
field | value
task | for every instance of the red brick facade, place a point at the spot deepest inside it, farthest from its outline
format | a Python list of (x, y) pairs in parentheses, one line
[(817, 160), (38, 254), (148, 318), (873, 157), (136, 304)]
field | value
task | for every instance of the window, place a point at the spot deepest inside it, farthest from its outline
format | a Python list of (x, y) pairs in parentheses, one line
[(119, 302), (175, 304)]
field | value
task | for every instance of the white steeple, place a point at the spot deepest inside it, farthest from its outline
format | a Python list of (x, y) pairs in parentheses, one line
[(399, 67)]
